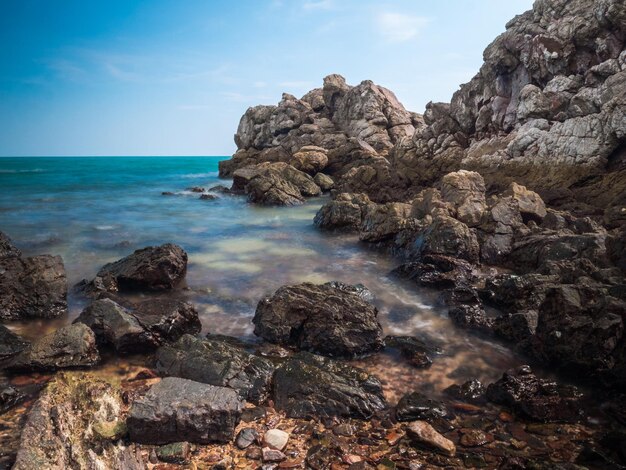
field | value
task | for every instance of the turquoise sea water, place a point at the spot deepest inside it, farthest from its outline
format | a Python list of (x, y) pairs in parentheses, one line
[(95, 210)]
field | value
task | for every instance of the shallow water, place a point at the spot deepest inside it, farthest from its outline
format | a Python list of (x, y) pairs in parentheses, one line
[(95, 210)]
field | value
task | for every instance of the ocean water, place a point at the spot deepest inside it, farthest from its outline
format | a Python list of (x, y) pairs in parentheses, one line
[(95, 210)]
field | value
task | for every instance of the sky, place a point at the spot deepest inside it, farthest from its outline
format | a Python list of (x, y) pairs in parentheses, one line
[(173, 77)]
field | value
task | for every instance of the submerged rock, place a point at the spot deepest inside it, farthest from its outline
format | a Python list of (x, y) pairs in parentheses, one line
[(60, 429), (69, 346), (216, 362), (331, 319), (419, 352), (147, 326), (34, 287), (416, 406), (472, 390), (155, 268), (309, 386), (176, 410)]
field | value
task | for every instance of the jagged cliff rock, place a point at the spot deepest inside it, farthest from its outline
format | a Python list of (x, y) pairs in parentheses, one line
[(547, 110)]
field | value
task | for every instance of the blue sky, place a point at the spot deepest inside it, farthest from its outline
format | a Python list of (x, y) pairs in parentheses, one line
[(173, 77)]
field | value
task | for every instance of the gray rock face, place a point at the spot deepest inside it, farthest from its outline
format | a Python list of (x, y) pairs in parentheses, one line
[(216, 362), (60, 431), (152, 323), (7, 249), (331, 319), (32, 287), (155, 268), (309, 386), (176, 410), (69, 346)]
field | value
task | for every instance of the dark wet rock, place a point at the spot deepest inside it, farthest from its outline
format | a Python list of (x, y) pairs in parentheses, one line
[(450, 237), (196, 189), (438, 271), (535, 398), (220, 188), (344, 212), (217, 362), (9, 397), (69, 346), (10, 344), (383, 221), (309, 386), (59, 432), (208, 197), (155, 268), (246, 437), (177, 452), (34, 287), (474, 438), (176, 410), (7, 249), (146, 326), (424, 434), (470, 391), (419, 352), (168, 193), (465, 309), (616, 249), (513, 293), (330, 319), (416, 406), (516, 327), (325, 182)]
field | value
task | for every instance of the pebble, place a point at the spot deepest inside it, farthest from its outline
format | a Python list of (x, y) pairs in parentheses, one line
[(273, 455), (254, 453), (276, 439), (424, 433), (246, 437), (474, 438), (344, 430)]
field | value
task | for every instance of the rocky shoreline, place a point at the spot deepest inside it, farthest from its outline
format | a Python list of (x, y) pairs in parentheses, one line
[(509, 202)]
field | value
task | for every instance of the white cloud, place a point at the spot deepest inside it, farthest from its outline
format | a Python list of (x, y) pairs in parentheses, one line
[(317, 5), (398, 27)]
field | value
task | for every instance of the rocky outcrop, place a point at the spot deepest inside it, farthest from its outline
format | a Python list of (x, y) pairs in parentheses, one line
[(216, 361), (69, 346), (146, 326), (10, 344), (62, 427), (332, 319), (34, 287), (155, 268), (7, 249), (176, 410), (309, 386)]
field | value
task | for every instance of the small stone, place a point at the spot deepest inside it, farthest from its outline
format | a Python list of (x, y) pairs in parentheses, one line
[(246, 438), (276, 439), (505, 417), (394, 437), (474, 438), (110, 430), (273, 455), (344, 429), (351, 459), (254, 453), (424, 433), (176, 452), (248, 415), (291, 463), (516, 444)]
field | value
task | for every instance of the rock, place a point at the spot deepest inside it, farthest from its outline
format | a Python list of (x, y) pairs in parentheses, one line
[(308, 386), (155, 268), (382, 221), (438, 271), (178, 452), (310, 159), (345, 211), (208, 197), (196, 189), (168, 193), (176, 410), (330, 319), (535, 398), (474, 438), (471, 391), (447, 236), (273, 190), (465, 191), (275, 439), (220, 188), (34, 287), (416, 406), (516, 327), (465, 309), (69, 346), (424, 434), (150, 324), (217, 362), (10, 344), (246, 437), (419, 352), (272, 455), (325, 182), (530, 203), (59, 431), (10, 397), (7, 249)]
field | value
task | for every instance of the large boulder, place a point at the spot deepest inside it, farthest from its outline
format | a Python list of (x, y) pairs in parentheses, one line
[(68, 347), (465, 191), (450, 237), (310, 159), (216, 361), (148, 325), (155, 268), (66, 424), (176, 410), (344, 212), (34, 287), (309, 386), (437, 271), (383, 221), (529, 202), (7, 249), (273, 190), (332, 319)]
